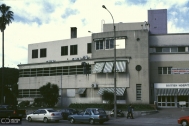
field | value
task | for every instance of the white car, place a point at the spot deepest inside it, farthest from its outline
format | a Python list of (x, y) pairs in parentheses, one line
[(44, 115)]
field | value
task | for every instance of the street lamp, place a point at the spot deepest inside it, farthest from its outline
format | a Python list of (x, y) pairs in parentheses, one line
[(115, 100)]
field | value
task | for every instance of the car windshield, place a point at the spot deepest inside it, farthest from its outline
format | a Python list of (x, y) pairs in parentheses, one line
[(98, 111), (51, 110)]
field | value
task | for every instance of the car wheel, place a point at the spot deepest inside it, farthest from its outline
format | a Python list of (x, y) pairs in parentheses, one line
[(184, 123), (45, 120), (29, 119), (101, 122), (91, 121), (72, 120)]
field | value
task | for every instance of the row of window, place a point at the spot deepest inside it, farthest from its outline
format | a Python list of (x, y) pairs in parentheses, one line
[(33, 93), (64, 51), (53, 71), (138, 92), (164, 70), (109, 44), (169, 49)]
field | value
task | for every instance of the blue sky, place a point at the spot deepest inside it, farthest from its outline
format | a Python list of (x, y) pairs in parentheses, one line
[(49, 20)]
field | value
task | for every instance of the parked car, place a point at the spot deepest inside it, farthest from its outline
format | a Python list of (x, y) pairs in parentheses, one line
[(119, 113), (90, 115), (184, 120), (11, 111), (44, 115), (66, 112)]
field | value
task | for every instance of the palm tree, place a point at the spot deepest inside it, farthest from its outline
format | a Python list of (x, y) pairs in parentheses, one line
[(5, 19)]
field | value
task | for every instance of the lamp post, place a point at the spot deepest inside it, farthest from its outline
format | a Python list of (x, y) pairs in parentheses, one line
[(115, 100)]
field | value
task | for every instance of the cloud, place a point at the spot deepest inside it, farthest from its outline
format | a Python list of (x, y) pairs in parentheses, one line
[(42, 20)]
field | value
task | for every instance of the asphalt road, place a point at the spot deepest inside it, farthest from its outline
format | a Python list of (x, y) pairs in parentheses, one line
[(164, 117)]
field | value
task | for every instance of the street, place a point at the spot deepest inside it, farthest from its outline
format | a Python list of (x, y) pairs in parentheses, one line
[(164, 117)]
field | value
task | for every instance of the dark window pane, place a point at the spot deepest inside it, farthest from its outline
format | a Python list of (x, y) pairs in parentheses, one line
[(101, 44), (181, 49), (64, 50), (169, 70), (158, 49), (159, 70), (97, 45), (111, 43), (35, 53), (89, 48), (43, 53), (107, 44), (73, 49), (164, 70)]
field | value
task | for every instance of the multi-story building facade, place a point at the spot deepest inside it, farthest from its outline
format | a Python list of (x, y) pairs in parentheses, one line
[(147, 60)]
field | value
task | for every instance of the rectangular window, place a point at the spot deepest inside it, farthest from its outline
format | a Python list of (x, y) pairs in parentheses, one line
[(181, 49), (73, 49), (165, 49), (43, 53), (99, 45), (164, 70), (138, 91), (174, 49), (64, 50), (158, 49), (109, 44), (89, 48), (35, 53)]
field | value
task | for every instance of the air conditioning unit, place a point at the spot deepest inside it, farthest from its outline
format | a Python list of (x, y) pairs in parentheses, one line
[(94, 85), (85, 57), (78, 58)]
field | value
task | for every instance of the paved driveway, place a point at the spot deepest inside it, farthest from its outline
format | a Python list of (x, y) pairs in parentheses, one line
[(165, 117)]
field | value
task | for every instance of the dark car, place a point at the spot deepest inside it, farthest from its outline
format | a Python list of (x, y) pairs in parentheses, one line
[(67, 111), (119, 113)]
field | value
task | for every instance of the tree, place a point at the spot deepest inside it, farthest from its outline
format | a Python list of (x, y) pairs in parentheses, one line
[(5, 19), (50, 93), (108, 96)]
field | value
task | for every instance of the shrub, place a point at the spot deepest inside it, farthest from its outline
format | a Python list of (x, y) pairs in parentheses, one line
[(24, 103)]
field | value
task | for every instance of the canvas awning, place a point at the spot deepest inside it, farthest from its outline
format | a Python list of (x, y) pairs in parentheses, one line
[(120, 66), (119, 90), (108, 67), (81, 90), (172, 91), (98, 67)]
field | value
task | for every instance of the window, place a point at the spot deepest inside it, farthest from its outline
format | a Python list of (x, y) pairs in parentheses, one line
[(174, 49), (89, 48), (165, 49), (73, 49), (181, 49), (43, 52), (138, 91), (159, 49), (64, 50), (99, 45), (35, 53), (164, 70), (109, 44)]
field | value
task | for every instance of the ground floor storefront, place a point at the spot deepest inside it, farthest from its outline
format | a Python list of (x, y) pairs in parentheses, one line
[(171, 95)]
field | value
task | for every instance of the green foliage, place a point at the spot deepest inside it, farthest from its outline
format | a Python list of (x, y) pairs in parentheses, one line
[(137, 107), (24, 104), (50, 93), (108, 96)]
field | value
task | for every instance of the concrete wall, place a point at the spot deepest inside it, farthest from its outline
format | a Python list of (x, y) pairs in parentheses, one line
[(125, 26), (138, 54), (54, 49)]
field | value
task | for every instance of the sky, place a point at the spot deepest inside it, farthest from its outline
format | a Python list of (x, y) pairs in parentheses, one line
[(38, 21)]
